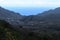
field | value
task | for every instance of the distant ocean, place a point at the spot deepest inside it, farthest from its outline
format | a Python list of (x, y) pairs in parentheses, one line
[(29, 10)]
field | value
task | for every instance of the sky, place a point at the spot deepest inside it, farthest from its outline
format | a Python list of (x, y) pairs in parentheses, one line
[(29, 4)]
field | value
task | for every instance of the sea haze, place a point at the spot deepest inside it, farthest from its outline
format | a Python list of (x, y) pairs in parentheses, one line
[(28, 10)]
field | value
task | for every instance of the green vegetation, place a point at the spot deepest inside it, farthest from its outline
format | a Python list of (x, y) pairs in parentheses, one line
[(44, 26), (8, 33)]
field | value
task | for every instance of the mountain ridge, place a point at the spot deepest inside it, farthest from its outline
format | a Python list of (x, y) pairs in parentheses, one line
[(10, 16), (47, 18)]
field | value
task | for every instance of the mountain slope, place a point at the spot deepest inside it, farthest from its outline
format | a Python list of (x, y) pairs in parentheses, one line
[(47, 20), (10, 16), (44, 26), (46, 16), (9, 33)]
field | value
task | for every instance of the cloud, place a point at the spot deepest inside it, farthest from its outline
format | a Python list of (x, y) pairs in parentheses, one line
[(25, 3)]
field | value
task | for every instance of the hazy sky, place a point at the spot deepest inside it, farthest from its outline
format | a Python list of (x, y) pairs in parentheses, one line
[(29, 7), (30, 3)]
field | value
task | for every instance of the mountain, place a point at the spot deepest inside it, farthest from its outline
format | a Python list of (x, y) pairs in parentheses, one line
[(43, 26), (47, 20), (10, 16), (45, 16), (51, 15)]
